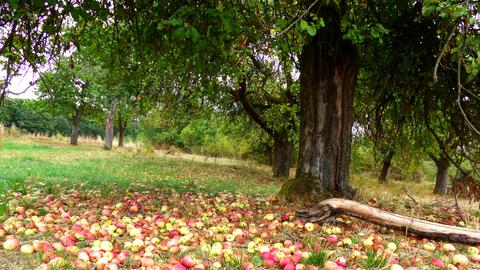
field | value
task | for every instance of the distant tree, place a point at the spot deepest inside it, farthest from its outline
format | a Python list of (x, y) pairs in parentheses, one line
[(73, 89)]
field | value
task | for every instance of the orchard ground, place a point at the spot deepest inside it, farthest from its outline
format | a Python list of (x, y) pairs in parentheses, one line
[(66, 207)]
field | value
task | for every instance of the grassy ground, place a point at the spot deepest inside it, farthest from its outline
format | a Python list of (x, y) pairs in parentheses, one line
[(54, 163), (86, 181)]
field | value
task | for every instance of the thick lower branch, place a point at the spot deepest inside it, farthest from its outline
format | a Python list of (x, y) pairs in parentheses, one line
[(330, 207)]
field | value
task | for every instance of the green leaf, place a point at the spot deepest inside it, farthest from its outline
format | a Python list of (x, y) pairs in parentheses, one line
[(194, 34), (312, 30), (161, 24), (428, 10), (375, 33), (261, 6), (180, 32), (48, 28), (38, 3), (176, 21), (303, 25), (13, 3), (75, 14), (321, 23)]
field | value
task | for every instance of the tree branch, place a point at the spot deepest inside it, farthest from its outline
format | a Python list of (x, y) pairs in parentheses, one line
[(459, 83), (249, 109), (336, 206), (443, 51)]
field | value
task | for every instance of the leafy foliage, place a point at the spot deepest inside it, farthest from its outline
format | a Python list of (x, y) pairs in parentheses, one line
[(35, 117)]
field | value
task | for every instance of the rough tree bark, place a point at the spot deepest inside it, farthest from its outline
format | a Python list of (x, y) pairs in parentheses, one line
[(328, 71), (122, 126), (441, 182), (282, 156), (76, 125), (109, 125), (326, 210), (387, 161), (283, 147)]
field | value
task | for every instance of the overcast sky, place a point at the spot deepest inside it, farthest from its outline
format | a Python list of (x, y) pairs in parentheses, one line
[(20, 83)]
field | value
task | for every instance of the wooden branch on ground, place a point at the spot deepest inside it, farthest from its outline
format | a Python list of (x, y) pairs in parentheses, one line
[(332, 207)]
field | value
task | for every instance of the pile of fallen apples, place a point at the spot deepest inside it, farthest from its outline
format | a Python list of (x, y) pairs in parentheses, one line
[(159, 230)]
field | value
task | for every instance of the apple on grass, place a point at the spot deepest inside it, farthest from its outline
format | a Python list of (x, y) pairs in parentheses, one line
[(459, 259), (448, 248), (392, 246), (429, 247), (26, 249), (11, 244), (309, 227)]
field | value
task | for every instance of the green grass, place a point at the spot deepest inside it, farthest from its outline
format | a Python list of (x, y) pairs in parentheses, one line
[(55, 165), (318, 259), (25, 163), (374, 261)]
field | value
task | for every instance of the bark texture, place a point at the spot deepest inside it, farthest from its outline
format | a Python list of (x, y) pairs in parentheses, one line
[(441, 182), (328, 72), (122, 126), (283, 147), (331, 207), (282, 156), (76, 126), (109, 125), (387, 161)]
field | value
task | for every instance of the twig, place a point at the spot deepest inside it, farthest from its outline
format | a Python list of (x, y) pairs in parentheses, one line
[(293, 237), (442, 52), (297, 20), (459, 211), (459, 85), (406, 192)]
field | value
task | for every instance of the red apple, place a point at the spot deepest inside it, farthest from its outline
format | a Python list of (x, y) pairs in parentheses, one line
[(188, 262)]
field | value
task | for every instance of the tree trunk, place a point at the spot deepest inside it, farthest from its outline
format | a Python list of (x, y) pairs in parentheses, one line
[(441, 182), (387, 161), (283, 148), (327, 209), (76, 126), (122, 125), (282, 156), (109, 125), (328, 71)]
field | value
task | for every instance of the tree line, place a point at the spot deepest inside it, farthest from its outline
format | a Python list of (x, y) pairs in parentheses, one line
[(31, 116)]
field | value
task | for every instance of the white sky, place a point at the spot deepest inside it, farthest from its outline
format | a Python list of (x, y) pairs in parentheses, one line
[(20, 83)]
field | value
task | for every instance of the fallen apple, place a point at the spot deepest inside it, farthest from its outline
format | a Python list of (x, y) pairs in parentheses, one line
[(459, 259), (448, 248), (429, 247), (26, 249), (11, 244)]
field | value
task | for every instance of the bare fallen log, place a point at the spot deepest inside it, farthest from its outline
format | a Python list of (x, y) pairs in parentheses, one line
[(331, 207)]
